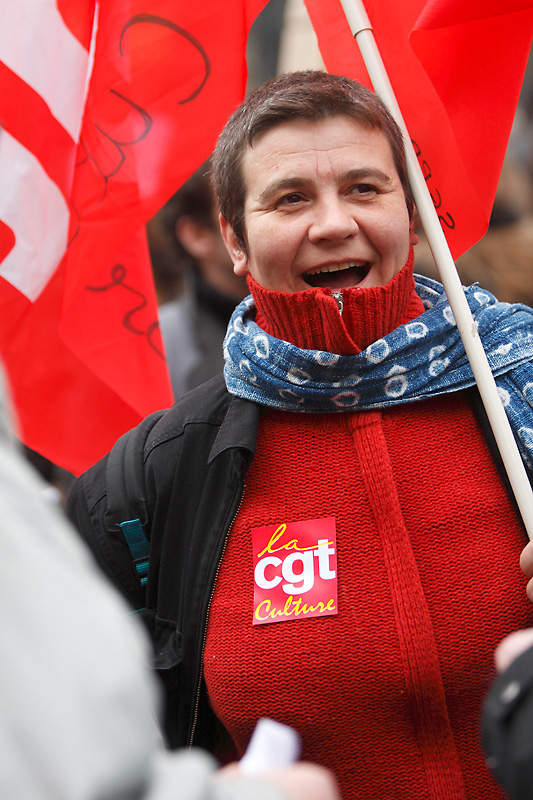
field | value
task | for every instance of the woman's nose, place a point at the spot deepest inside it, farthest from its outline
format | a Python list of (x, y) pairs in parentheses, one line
[(334, 220)]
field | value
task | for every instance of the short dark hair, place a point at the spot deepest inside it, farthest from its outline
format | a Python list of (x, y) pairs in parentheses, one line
[(310, 95)]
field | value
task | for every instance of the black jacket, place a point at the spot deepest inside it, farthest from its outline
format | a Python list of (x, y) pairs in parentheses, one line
[(180, 470)]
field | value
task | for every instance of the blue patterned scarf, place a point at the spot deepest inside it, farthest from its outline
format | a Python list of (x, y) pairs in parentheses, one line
[(420, 359)]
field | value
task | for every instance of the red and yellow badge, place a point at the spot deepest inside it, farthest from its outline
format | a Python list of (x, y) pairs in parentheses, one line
[(295, 570)]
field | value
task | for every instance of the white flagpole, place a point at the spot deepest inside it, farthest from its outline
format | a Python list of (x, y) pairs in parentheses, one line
[(362, 31)]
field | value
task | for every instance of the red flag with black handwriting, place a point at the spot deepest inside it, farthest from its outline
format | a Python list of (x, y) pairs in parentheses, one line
[(105, 109), (456, 67)]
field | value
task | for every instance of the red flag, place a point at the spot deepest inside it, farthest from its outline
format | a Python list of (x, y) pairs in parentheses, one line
[(105, 109), (456, 67)]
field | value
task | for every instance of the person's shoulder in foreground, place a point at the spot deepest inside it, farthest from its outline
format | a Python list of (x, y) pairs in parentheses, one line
[(77, 700), (507, 720)]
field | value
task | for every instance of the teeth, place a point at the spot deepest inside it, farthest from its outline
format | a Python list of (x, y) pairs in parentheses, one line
[(335, 268)]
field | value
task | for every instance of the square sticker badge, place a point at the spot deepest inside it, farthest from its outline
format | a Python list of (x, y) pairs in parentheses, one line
[(295, 570)]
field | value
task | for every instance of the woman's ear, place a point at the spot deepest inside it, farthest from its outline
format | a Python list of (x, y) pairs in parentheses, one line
[(234, 248)]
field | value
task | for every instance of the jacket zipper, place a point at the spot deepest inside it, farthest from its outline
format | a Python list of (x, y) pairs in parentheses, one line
[(340, 301), (198, 688)]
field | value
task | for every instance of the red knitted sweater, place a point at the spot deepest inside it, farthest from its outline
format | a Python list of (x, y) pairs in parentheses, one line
[(386, 692)]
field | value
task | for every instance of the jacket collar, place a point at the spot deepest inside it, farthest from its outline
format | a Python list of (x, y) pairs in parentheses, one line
[(239, 428)]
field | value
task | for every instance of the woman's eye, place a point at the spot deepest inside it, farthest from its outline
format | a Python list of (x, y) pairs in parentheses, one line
[(290, 199), (364, 189)]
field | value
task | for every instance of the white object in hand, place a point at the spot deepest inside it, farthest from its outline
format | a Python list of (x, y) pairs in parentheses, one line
[(272, 746)]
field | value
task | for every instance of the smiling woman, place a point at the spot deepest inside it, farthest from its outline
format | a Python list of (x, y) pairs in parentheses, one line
[(324, 206), (323, 506)]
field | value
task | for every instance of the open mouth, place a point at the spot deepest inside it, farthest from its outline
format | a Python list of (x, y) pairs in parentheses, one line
[(338, 276)]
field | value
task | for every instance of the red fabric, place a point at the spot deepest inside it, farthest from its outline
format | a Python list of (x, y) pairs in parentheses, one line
[(456, 67), (388, 692), (84, 354), (311, 319)]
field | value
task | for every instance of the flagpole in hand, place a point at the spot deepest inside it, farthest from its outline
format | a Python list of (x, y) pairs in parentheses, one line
[(362, 31)]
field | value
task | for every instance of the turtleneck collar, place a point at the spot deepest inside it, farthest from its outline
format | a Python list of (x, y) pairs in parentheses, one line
[(311, 319)]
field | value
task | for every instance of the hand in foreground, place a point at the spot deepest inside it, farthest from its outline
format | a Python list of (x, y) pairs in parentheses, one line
[(301, 781), (518, 642), (511, 647), (526, 565)]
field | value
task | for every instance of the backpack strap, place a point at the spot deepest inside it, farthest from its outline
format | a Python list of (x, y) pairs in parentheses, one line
[(139, 547), (126, 494)]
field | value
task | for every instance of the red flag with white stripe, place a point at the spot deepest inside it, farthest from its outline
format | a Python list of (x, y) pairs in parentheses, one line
[(105, 109), (456, 67)]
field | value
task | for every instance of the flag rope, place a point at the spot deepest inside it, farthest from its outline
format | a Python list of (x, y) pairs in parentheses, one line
[(361, 29)]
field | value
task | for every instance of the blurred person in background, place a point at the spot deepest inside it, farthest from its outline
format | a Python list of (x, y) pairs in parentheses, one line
[(502, 261), (193, 325)]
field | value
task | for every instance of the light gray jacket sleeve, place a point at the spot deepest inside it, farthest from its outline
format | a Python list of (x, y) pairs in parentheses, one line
[(78, 704)]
